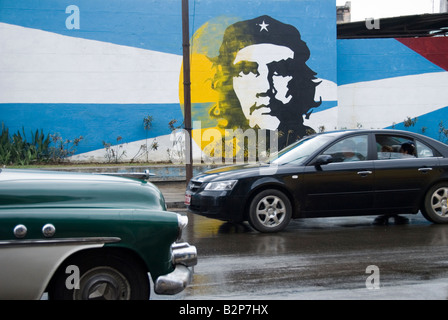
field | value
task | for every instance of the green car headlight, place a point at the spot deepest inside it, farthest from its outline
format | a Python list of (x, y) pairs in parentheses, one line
[(182, 222)]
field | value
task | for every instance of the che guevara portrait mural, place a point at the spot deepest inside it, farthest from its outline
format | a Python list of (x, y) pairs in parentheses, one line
[(258, 78), (262, 78)]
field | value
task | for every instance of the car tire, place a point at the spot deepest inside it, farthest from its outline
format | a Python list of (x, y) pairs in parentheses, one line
[(270, 211), (102, 276), (435, 207)]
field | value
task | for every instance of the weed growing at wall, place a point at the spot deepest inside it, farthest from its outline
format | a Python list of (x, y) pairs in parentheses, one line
[(114, 152), (443, 132), (176, 153), (17, 149), (61, 148)]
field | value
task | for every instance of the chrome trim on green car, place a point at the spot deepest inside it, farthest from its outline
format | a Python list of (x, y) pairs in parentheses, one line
[(55, 242)]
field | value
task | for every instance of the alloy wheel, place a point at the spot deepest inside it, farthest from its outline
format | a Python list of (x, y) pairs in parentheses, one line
[(439, 202), (271, 211)]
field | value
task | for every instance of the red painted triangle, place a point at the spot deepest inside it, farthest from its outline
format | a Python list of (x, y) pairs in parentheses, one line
[(435, 49)]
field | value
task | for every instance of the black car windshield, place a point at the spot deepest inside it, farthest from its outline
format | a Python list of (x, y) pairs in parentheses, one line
[(297, 153)]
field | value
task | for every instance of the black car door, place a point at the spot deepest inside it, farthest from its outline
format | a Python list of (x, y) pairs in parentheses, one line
[(344, 186), (402, 177)]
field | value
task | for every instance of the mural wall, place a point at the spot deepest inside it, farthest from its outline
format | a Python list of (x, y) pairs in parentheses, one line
[(383, 82), (100, 69), (97, 69)]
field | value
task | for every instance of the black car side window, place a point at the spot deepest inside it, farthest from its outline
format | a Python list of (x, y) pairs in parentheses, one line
[(349, 149), (424, 151), (395, 147)]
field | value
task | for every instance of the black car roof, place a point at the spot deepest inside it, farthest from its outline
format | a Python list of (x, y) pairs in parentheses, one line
[(440, 146)]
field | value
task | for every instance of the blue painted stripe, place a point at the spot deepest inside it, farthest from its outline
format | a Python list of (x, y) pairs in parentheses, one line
[(374, 59), (428, 124), (157, 24), (136, 23), (95, 122)]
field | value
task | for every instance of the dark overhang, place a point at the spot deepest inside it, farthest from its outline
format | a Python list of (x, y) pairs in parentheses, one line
[(425, 25)]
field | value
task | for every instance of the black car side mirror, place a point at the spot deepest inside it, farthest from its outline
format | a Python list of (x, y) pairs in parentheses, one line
[(323, 159)]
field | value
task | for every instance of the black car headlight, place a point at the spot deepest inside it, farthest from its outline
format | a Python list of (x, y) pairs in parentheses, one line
[(225, 185)]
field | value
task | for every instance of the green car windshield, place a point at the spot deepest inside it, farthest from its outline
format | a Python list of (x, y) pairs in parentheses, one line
[(297, 153)]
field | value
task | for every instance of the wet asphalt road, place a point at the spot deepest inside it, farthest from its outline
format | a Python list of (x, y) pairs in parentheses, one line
[(325, 258)]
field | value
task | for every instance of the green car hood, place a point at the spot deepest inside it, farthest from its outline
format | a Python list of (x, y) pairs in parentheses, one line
[(48, 189)]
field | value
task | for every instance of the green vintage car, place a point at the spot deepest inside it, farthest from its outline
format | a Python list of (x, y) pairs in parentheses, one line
[(88, 236)]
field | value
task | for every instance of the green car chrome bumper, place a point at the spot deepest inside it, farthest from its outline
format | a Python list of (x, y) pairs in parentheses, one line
[(184, 256)]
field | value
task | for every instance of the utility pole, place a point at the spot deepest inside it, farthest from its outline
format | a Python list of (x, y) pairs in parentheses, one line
[(187, 88)]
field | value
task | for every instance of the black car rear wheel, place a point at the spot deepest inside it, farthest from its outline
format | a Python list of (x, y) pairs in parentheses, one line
[(436, 207), (270, 211)]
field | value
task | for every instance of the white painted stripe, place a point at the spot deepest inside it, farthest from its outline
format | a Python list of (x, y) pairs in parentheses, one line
[(327, 90), (43, 67), (381, 103)]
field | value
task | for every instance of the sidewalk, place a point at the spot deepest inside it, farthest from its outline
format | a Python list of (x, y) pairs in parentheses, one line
[(174, 193)]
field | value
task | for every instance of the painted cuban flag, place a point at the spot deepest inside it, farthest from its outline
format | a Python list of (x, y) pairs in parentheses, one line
[(382, 82), (97, 68)]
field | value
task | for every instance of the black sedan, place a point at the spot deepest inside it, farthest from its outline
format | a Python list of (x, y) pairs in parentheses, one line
[(344, 173)]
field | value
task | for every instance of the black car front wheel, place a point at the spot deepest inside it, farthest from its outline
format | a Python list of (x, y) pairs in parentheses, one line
[(270, 211), (435, 208)]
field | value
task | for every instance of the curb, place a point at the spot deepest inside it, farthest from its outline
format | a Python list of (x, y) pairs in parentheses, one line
[(162, 173), (176, 205)]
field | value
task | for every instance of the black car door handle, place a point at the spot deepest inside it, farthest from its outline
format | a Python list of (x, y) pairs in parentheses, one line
[(425, 169), (364, 173)]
